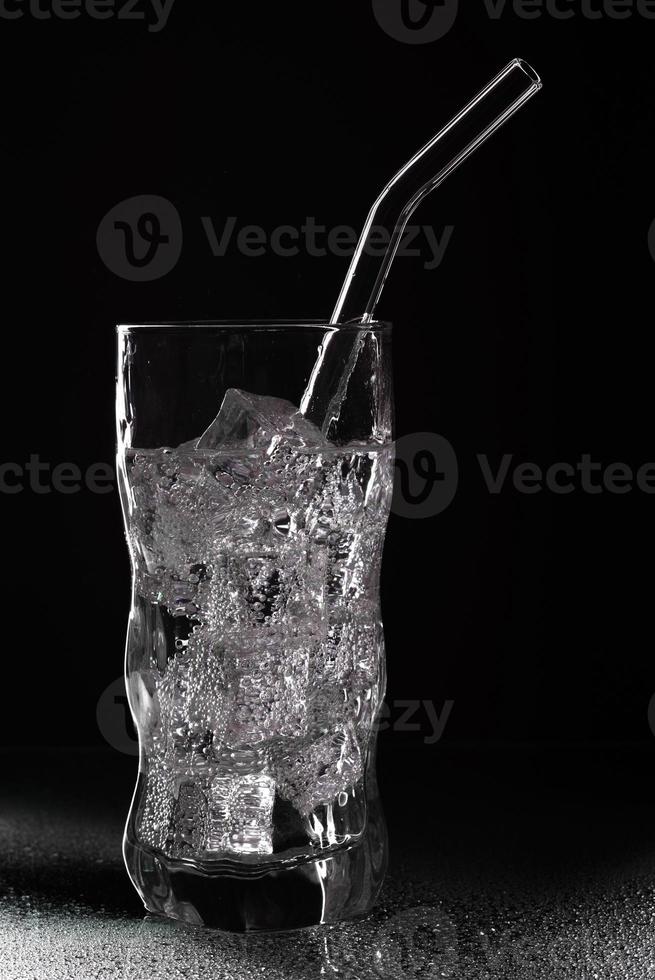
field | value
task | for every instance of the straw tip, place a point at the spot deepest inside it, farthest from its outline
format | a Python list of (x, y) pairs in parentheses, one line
[(529, 71)]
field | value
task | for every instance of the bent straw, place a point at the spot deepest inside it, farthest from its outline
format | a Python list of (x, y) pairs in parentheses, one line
[(367, 274)]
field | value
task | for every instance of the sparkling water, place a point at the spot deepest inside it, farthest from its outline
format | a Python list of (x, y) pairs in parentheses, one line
[(255, 653)]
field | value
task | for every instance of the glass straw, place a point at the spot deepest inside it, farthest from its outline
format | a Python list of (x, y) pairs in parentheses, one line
[(367, 274)]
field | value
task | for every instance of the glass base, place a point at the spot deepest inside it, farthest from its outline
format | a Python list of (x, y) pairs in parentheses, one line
[(343, 884)]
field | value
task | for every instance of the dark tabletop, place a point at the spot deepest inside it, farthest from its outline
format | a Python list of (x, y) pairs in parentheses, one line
[(507, 861)]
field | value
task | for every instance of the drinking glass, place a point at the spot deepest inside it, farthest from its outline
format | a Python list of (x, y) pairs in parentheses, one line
[(255, 651)]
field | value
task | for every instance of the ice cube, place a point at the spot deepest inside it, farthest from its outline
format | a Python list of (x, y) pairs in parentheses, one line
[(258, 422), (192, 704), (189, 830), (344, 675), (268, 680), (311, 775), (240, 819), (260, 521), (180, 512), (276, 594)]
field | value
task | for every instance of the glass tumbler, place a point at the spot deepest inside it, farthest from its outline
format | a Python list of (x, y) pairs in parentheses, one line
[(255, 652)]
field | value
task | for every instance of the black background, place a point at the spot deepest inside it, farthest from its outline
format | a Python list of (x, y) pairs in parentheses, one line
[(531, 612)]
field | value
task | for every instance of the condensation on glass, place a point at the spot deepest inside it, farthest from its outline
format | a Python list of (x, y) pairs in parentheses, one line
[(255, 651)]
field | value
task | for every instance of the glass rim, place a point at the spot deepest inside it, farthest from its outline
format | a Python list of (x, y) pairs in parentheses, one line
[(374, 326)]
